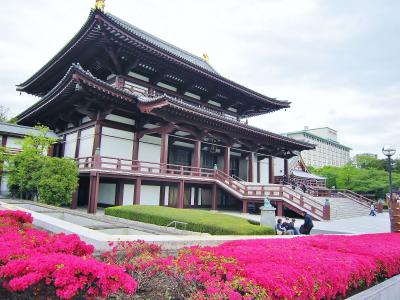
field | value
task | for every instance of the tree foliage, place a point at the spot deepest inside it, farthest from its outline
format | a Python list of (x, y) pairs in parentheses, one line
[(58, 181), (32, 174), (366, 175)]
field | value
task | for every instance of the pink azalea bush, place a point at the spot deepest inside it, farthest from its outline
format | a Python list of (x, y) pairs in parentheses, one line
[(320, 267), (40, 263)]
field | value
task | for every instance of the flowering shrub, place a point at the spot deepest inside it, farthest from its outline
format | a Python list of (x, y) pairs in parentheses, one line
[(14, 218), (320, 267), (140, 259), (35, 262)]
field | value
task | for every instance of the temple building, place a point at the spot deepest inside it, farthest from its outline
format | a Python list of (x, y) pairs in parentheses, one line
[(150, 123)]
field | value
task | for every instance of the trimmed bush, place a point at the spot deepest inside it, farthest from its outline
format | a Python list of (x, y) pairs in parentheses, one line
[(198, 220)]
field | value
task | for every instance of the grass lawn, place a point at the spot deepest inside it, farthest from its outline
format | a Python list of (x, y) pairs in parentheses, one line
[(198, 220)]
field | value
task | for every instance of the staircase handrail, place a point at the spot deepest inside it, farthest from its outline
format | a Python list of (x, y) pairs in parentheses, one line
[(354, 196)]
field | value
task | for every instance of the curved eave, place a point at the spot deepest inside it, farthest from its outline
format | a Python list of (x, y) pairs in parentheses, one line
[(74, 75)]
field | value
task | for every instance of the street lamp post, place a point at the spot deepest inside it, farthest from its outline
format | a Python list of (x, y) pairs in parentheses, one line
[(389, 151)]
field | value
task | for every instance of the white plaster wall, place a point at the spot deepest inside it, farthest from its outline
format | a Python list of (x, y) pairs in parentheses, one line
[(120, 119), (128, 194), (107, 193), (264, 171), (150, 151), (86, 142), (14, 142), (116, 143), (70, 145), (150, 195), (279, 166)]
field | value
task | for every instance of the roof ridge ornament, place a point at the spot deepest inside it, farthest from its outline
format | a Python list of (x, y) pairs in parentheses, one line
[(100, 4), (206, 57)]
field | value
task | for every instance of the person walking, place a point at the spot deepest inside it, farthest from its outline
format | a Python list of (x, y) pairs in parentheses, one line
[(308, 224), (372, 211)]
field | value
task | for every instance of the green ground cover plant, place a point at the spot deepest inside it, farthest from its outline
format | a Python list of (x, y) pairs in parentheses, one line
[(198, 220)]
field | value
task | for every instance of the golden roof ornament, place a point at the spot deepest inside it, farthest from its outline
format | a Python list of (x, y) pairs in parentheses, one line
[(206, 57), (100, 4)]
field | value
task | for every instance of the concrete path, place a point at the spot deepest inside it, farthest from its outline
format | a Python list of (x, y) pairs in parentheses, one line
[(356, 225)]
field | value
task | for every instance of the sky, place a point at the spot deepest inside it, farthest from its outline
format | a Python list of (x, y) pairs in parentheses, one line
[(337, 62)]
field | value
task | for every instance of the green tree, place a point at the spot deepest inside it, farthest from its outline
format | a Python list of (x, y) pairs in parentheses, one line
[(24, 167), (58, 181), (31, 174), (368, 162)]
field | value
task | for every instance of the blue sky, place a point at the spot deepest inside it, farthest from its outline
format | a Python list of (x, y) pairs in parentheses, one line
[(336, 61)]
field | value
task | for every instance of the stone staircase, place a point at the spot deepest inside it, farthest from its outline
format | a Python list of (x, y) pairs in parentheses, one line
[(343, 208)]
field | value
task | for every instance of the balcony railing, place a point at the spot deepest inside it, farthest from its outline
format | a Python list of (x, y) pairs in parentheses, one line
[(244, 190)]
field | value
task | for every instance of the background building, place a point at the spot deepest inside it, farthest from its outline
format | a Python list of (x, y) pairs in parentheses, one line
[(328, 151)]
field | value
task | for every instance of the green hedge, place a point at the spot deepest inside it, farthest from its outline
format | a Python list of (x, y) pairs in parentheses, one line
[(198, 220)]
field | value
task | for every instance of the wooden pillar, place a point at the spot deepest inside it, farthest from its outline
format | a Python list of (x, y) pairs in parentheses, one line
[(227, 160), (3, 144), (279, 208), (271, 170), (251, 167), (196, 160), (93, 192), (97, 136), (119, 194), (138, 188), (286, 169), (181, 194), (78, 144), (136, 141), (245, 207), (62, 146), (74, 201), (4, 140), (162, 195), (214, 197), (50, 151), (196, 196), (164, 148), (258, 170)]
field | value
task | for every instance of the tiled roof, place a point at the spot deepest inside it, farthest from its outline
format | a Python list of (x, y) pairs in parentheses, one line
[(196, 60), (19, 130)]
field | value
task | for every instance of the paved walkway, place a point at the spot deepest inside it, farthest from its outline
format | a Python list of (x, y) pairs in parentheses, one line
[(356, 225)]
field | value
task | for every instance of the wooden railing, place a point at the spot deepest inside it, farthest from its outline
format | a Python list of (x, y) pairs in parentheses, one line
[(135, 166), (244, 190)]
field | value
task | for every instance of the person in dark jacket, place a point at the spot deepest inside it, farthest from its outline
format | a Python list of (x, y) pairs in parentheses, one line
[(290, 226), (308, 224)]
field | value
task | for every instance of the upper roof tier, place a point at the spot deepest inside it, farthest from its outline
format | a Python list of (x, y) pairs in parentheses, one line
[(107, 45)]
